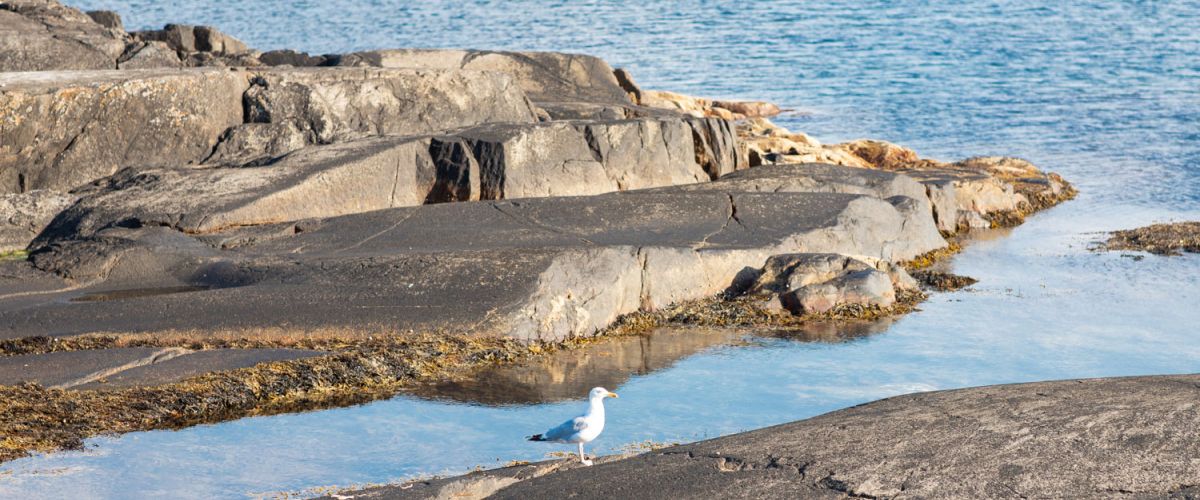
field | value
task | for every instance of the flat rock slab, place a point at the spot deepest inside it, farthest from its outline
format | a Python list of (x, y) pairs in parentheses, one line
[(193, 364), (1100, 438), (134, 366), (64, 368), (541, 268)]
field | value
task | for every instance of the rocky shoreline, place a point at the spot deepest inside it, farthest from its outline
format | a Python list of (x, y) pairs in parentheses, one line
[(1099, 438), (201, 231)]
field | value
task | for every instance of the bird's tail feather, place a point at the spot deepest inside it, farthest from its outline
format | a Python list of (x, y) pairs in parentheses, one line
[(536, 437)]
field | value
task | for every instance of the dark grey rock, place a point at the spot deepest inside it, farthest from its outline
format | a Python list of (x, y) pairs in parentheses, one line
[(537, 268), (192, 364), (1100, 438), (258, 143), (716, 146), (209, 39), (222, 60), (62, 369), (180, 37), (120, 368), (495, 161), (288, 57), (625, 80)]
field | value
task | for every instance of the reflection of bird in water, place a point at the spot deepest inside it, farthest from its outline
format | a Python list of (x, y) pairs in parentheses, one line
[(581, 429)]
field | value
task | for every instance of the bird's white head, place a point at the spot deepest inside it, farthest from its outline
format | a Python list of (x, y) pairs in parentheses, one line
[(600, 393)]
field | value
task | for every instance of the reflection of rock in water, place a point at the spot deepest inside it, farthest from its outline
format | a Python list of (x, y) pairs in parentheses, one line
[(568, 374), (833, 331)]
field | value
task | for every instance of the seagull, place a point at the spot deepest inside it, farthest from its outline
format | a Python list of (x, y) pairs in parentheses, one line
[(581, 429)]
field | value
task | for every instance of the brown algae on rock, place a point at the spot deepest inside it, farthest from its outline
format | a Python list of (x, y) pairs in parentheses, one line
[(1162, 239), (942, 281)]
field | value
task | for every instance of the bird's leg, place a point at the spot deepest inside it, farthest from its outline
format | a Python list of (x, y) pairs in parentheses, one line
[(583, 459)]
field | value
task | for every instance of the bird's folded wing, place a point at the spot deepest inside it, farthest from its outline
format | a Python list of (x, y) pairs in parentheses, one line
[(579, 423), (566, 429)]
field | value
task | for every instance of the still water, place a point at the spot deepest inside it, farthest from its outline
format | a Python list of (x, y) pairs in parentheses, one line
[(1107, 93)]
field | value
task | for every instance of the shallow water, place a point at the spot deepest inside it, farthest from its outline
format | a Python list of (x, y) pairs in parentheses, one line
[(1108, 94)]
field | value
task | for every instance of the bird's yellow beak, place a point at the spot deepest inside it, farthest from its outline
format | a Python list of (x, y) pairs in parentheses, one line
[(612, 395)]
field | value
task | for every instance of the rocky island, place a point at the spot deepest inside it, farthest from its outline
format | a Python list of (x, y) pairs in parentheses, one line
[(195, 231)]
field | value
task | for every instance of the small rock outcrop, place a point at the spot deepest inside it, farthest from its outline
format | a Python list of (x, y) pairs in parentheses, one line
[(1162, 239), (44, 35), (699, 106), (814, 283)]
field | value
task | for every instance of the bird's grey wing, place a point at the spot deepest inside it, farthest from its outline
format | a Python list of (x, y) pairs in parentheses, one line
[(565, 430)]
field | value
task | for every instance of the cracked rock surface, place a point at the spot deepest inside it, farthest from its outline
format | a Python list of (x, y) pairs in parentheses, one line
[(541, 268), (1099, 438)]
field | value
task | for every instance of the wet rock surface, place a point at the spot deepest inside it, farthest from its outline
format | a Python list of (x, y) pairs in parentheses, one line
[(131, 366), (1162, 239), (1079, 438)]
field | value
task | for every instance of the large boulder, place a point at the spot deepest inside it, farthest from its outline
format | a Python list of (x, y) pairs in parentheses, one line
[(806, 283), (24, 215), (44, 35), (584, 157), (326, 181), (60, 130), (336, 104), (544, 76)]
